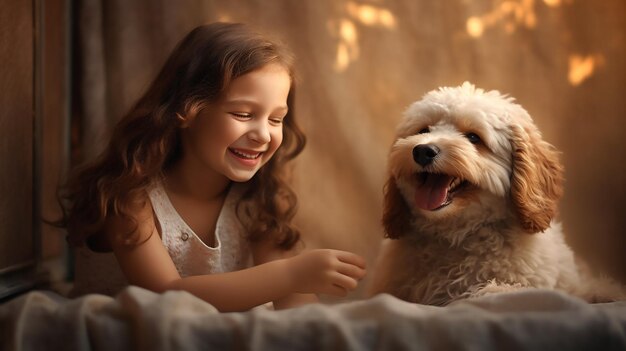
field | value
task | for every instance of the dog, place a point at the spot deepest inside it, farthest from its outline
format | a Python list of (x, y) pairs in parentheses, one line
[(470, 203)]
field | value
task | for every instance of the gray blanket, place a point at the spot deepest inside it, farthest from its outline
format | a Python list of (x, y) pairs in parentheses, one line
[(138, 319)]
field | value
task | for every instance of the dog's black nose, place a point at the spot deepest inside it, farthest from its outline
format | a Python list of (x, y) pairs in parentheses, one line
[(424, 154)]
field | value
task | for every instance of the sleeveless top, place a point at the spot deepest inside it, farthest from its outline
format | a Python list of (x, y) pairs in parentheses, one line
[(100, 273)]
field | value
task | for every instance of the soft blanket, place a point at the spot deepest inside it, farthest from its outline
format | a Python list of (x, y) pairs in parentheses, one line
[(138, 319)]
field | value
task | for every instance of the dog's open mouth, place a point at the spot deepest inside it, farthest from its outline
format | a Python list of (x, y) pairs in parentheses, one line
[(435, 191)]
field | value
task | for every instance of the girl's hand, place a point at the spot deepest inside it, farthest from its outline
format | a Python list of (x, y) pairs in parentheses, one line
[(326, 271)]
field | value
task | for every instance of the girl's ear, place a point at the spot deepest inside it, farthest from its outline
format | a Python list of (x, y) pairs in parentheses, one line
[(183, 121), (191, 110), (396, 212), (537, 179)]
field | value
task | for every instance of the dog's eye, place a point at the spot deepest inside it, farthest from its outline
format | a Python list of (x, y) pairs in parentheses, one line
[(473, 138), (424, 130)]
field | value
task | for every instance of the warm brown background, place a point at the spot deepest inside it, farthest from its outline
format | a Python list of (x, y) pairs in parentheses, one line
[(16, 128), (34, 113), (362, 62)]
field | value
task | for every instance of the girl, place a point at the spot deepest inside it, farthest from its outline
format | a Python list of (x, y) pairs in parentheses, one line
[(188, 194)]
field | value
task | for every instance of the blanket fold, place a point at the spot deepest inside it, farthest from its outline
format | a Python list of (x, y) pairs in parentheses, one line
[(138, 319)]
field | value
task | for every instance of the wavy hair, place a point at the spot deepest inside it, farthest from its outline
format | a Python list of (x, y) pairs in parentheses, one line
[(146, 141)]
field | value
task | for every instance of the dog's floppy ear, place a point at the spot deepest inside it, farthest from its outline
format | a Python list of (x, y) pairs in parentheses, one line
[(537, 179), (396, 212)]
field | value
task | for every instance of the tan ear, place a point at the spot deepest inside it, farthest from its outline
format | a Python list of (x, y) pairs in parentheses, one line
[(183, 121), (396, 212), (189, 113), (537, 179)]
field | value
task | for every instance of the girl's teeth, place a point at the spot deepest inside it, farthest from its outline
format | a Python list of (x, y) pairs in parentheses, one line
[(242, 154)]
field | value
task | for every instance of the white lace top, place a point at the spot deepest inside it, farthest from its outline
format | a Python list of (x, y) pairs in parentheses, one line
[(100, 273)]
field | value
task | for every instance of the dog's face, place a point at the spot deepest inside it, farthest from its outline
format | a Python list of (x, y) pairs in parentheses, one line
[(462, 153)]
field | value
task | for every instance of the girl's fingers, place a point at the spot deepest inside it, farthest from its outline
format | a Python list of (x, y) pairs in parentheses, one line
[(351, 270), (344, 281), (351, 258)]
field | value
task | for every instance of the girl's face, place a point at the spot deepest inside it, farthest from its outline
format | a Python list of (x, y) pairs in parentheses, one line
[(237, 134)]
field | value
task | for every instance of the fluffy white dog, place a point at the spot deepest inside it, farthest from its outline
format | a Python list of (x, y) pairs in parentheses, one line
[(469, 204)]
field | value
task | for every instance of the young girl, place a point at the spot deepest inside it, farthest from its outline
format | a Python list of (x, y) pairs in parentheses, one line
[(188, 194)]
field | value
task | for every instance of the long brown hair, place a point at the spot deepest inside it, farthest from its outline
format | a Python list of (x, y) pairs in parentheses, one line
[(146, 141)]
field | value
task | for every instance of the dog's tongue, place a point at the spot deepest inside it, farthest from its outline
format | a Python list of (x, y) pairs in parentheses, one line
[(432, 193)]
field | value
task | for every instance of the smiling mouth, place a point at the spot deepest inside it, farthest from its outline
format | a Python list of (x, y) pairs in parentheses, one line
[(435, 191), (245, 155)]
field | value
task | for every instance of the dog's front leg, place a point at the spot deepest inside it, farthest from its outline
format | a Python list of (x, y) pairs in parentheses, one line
[(494, 287)]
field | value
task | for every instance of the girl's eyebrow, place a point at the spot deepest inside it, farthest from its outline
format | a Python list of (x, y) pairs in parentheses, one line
[(282, 108)]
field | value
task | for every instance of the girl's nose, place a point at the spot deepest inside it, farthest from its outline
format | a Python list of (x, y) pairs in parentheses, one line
[(260, 132)]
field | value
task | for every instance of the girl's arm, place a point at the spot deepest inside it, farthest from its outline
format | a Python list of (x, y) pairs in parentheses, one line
[(148, 265), (266, 251)]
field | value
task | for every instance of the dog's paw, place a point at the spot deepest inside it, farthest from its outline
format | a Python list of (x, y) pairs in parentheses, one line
[(493, 287), (603, 290)]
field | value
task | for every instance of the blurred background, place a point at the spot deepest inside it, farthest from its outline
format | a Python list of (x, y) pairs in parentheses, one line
[(70, 69)]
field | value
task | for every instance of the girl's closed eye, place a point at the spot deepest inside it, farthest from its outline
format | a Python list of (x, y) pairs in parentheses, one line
[(277, 120), (247, 116), (241, 115)]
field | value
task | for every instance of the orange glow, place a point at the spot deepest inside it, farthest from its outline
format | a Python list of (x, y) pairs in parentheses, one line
[(387, 19), (347, 32), (507, 7), (553, 3), (348, 46), (475, 27), (581, 68), (222, 17), (366, 14), (343, 58), (371, 15), (509, 14), (530, 21)]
